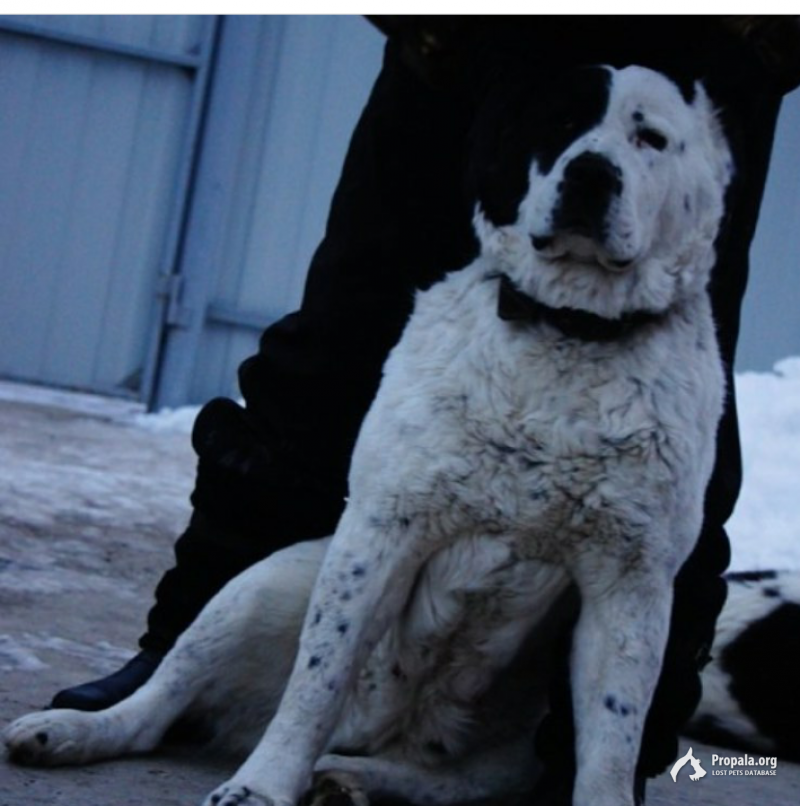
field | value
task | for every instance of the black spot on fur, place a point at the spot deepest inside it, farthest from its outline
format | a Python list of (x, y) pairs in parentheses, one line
[(359, 570), (317, 616), (314, 661), (342, 628), (772, 592), (42, 738), (503, 449), (616, 707), (763, 666), (528, 463)]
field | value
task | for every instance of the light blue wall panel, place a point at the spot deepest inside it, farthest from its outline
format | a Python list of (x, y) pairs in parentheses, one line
[(771, 315), (174, 34), (90, 145), (304, 98)]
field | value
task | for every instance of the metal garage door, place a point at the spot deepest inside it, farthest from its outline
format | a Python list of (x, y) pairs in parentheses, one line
[(286, 94), (99, 120)]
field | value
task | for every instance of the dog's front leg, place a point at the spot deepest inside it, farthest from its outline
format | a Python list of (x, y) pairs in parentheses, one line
[(618, 649), (364, 582)]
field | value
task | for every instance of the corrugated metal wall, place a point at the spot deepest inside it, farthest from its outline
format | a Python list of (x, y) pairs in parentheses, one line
[(286, 96), (94, 137), (325, 72)]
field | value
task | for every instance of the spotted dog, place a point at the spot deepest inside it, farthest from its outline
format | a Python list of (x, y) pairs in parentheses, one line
[(546, 424), (750, 687)]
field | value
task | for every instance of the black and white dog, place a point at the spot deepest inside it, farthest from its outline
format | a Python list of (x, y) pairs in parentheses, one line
[(565, 442), (750, 698)]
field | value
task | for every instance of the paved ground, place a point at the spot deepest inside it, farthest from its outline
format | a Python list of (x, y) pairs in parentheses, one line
[(89, 506)]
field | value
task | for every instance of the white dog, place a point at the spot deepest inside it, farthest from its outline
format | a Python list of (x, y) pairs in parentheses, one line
[(567, 440)]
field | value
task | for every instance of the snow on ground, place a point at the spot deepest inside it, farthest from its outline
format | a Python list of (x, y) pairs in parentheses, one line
[(764, 529), (180, 420)]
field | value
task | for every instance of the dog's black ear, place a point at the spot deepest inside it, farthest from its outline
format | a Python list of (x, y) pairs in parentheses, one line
[(525, 119)]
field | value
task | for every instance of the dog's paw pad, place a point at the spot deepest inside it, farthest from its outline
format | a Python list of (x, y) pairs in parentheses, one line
[(47, 738)]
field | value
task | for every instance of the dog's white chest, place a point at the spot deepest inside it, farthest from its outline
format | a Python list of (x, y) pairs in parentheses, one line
[(510, 432)]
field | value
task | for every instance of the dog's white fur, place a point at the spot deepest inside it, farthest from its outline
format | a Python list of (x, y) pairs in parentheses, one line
[(499, 463)]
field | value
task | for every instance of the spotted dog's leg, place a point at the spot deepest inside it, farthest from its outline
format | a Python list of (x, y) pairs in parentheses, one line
[(136, 725), (259, 612), (618, 649), (364, 582)]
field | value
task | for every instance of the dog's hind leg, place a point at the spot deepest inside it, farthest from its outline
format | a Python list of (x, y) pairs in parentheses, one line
[(244, 642), (61, 736)]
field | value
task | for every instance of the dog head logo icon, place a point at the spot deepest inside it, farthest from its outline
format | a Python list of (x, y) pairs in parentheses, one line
[(699, 772)]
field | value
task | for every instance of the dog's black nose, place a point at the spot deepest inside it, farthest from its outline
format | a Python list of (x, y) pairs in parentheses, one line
[(590, 183)]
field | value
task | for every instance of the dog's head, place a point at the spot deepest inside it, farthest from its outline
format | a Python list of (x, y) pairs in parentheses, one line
[(606, 192)]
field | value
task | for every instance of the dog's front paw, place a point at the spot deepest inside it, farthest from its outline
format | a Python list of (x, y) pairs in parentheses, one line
[(233, 794), (50, 738)]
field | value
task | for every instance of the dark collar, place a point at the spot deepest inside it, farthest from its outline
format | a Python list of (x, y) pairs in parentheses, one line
[(515, 306)]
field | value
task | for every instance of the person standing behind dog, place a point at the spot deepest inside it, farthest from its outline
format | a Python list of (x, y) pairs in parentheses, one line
[(275, 472)]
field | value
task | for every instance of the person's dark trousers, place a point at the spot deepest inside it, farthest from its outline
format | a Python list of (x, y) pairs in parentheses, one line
[(276, 472)]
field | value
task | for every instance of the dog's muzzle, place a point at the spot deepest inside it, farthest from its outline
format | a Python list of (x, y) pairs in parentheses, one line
[(580, 220), (590, 184)]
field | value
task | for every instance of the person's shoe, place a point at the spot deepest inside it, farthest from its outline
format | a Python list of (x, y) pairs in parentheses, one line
[(107, 691)]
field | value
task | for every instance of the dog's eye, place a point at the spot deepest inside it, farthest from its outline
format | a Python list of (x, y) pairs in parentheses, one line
[(651, 138)]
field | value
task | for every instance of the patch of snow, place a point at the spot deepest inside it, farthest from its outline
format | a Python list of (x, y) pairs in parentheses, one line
[(180, 420), (764, 528), (107, 408)]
